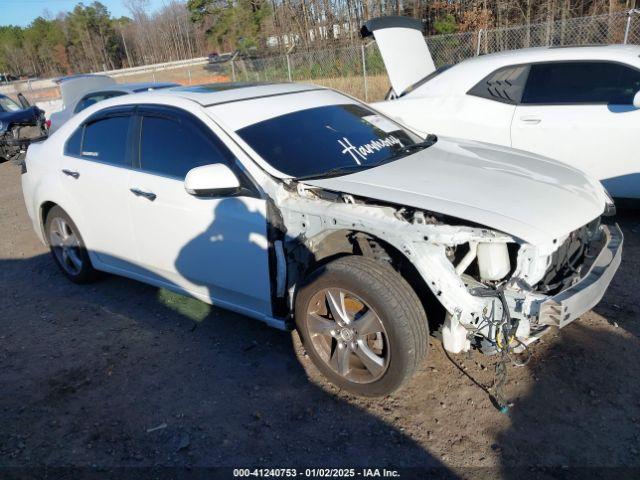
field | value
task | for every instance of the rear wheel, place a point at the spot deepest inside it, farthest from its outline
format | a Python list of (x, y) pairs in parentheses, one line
[(67, 247), (362, 325)]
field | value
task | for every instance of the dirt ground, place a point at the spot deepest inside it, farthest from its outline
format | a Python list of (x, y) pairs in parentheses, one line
[(123, 374)]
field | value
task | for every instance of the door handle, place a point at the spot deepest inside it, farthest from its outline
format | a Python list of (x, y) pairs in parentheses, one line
[(71, 173), (530, 119), (139, 193)]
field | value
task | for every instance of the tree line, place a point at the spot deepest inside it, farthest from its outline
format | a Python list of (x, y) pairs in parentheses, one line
[(89, 39)]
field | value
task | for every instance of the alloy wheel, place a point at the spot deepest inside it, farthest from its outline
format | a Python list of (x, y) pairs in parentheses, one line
[(348, 335)]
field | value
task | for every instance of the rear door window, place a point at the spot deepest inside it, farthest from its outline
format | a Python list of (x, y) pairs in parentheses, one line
[(105, 140), (74, 143), (581, 83)]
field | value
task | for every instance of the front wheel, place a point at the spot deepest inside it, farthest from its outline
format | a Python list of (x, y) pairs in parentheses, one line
[(362, 325)]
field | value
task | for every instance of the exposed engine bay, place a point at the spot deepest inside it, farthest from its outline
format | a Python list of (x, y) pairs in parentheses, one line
[(18, 129), (496, 289)]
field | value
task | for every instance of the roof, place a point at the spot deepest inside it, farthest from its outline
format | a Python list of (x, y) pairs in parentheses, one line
[(464, 75), (586, 52), (142, 86), (217, 93)]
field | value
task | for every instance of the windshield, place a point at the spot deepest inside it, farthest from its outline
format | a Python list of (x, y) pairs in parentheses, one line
[(330, 139), (8, 105)]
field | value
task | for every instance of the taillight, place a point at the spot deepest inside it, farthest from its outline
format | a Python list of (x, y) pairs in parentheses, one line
[(48, 124)]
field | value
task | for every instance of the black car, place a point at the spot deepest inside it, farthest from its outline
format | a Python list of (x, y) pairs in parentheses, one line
[(19, 126)]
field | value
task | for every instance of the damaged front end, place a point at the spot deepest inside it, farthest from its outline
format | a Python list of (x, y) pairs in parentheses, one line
[(499, 293), (18, 129)]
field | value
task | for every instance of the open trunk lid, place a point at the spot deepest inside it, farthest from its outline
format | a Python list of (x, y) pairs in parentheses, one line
[(404, 50), (75, 87)]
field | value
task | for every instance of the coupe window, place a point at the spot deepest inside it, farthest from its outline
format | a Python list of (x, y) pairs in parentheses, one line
[(581, 82), (504, 85), (329, 140)]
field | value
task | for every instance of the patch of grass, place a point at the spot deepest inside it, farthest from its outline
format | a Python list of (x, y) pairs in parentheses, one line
[(190, 307)]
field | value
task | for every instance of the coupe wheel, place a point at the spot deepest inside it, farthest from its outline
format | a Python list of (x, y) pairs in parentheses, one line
[(67, 247), (362, 325)]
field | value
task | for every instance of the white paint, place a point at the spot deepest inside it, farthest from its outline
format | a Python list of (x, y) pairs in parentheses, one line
[(405, 55), (210, 178), (524, 195)]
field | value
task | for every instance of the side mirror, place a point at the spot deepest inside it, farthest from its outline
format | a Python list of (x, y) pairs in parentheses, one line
[(215, 180), (636, 100), (24, 103)]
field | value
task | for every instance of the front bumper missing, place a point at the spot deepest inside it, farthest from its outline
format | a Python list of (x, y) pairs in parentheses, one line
[(564, 307)]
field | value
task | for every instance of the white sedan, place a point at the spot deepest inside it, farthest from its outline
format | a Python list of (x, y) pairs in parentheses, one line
[(298, 205), (579, 105)]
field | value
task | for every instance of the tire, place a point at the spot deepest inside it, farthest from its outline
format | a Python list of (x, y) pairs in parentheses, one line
[(352, 308), (69, 252)]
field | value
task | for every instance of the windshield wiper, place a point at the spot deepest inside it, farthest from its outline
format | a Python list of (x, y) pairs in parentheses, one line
[(409, 149), (334, 172), (426, 143)]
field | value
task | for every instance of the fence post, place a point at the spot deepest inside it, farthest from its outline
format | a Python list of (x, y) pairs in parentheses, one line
[(289, 68), (233, 70), (189, 72), (626, 30), (364, 73), (479, 40)]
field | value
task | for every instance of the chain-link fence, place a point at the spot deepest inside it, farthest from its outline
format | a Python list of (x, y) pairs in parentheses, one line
[(358, 69), (595, 30)]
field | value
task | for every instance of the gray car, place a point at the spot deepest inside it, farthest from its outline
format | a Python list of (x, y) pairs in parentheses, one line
[(81, 91)]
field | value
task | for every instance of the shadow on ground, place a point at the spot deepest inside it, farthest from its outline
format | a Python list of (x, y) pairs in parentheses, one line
[(577, 420), (100, 375)]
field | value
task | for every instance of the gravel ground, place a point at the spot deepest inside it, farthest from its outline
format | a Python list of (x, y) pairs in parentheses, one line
[(123, 374)]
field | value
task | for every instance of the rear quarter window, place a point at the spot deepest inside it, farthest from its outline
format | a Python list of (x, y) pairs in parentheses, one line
[(504, 85), (74, 143)]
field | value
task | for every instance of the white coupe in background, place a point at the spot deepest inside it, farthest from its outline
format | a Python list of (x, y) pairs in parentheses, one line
[(579, 105), (295, 204)]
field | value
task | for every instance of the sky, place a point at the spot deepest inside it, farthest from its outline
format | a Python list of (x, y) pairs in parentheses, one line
[(23, 12)]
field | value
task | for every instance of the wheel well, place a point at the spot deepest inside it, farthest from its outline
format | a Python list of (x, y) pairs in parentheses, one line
[(45, 208), (348, 242)]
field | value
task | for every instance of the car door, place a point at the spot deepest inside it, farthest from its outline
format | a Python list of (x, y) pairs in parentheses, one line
[(213, 247), (95, 171), (582, 113)]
